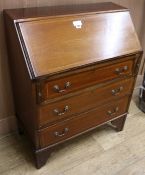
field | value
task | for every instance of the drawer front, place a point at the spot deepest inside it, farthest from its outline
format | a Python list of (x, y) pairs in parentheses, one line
[(83, 102), (69, 128), (61, 86)]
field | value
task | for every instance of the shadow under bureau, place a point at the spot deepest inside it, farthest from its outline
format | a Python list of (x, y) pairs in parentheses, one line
[(73, 68)]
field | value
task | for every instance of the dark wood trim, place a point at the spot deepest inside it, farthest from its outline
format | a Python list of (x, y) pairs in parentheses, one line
[(119, 123), (25, 53), (41, 157), (63, 10)]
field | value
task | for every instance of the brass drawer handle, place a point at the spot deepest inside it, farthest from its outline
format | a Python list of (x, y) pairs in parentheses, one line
[(57, 88), (111, 113), (121, 70), (56, 111), (63, 133), (117, 91)]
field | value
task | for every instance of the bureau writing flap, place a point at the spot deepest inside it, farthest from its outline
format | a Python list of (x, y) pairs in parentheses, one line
[(65, 42)]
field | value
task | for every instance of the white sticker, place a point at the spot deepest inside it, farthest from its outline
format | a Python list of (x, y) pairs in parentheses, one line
[(77, 24)]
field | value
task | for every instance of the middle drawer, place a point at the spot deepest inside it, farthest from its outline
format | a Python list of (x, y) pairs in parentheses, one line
[(65, 108)]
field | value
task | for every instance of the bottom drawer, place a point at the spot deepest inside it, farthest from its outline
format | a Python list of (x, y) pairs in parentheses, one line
[(82, 122)]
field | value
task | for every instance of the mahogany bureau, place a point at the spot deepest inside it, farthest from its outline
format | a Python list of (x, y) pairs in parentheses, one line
[(73, 68)]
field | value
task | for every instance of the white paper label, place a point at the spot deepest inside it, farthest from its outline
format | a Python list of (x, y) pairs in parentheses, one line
[(77, 24)]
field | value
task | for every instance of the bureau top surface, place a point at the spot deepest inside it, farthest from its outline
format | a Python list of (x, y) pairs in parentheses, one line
[(36, 12), (94, 33)]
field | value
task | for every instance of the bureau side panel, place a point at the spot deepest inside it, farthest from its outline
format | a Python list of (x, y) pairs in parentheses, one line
[(23, 88)]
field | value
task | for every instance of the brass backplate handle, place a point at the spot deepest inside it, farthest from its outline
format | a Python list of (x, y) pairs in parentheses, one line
[(63, 133), (117, 91), (56, 111), (121, 70), (111, 113), (59, 90)]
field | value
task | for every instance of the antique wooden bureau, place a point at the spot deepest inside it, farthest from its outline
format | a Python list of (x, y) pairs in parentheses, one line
[(73, 68)]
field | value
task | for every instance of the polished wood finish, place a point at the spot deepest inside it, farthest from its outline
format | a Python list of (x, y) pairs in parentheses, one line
[(84, 121), (96, 48), (70, 79), (38, 12), (95, 75), (6, 102), (90, 99)]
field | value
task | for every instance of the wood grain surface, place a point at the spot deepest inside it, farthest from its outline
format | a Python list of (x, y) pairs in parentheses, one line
[(80, 51), (6, 99), (82, 122), (89, 99), (86, 77), (100, 37)]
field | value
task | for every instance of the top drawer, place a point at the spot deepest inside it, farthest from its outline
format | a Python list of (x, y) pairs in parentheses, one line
[(94, 75)]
